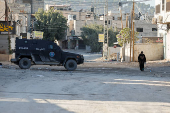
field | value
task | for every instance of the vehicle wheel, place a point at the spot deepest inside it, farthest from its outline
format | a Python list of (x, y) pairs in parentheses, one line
[(71, 65), (24, 63)]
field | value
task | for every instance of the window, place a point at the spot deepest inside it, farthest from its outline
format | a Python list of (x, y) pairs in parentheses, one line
[(139, 29), (74, 17), (50, 47), (168, 4), (109, 21), (87, 16), (157, 9), (26, 41), (106, 22), (154, 29), (163, 2), (113, 18)]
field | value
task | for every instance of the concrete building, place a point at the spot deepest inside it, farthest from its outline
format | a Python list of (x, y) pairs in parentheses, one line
[(34, 4), (31, 6), (2, 11), (145, 29), (162, 19), (17, 25), (58, 7), (75, 21)]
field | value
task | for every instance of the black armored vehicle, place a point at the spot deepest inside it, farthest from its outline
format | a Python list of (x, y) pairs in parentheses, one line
[(44, 52)]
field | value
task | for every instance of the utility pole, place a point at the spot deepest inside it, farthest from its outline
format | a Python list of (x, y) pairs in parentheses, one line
[(131, 35), (107, 29), (106, 38), (95, 6), (120, 8), (104, 30), (6, 19), (126, 20), (133, 40), (133, 28), (132, 18)]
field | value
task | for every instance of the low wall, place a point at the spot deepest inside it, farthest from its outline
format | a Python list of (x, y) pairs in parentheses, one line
[(152, 51), (4, 44), (113, 52), (5, 57)]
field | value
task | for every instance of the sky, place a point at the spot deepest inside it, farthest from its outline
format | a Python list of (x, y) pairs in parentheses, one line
[(151, 2)]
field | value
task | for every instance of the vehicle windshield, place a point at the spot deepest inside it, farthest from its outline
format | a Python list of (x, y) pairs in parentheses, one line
[(57, 47)]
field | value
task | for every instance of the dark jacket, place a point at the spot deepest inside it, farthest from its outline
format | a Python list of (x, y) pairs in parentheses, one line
[(141, 58)]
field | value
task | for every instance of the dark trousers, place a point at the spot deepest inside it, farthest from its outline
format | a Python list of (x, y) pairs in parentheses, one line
[(141, 65)]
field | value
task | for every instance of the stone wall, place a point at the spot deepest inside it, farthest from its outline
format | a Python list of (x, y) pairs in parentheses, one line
[(3, 44), (167, 46), (152, 51)]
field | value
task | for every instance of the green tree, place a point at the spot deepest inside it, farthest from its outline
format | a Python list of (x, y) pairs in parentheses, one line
[(125, 35), (112, 37), (90, 36), (52, 23)]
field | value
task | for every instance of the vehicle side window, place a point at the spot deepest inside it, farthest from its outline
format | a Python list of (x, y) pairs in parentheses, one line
[(56, 47), (50, 46), (26, 42)]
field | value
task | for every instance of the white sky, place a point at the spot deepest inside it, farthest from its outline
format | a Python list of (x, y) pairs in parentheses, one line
[(151, 2)]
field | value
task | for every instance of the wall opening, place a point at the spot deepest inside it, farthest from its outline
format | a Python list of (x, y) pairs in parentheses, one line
[(139, 29)]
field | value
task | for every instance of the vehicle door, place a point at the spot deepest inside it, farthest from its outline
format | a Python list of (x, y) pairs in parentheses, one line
[(54, 52), (39, 50)]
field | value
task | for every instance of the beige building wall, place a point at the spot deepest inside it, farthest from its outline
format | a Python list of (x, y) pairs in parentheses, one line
[(2, 10), (4, 44), (79, 15), (71, 26), (147, 28), (37, 4), (151, 51), (113, 52), (167, 46), (4, 56), (78, 25)]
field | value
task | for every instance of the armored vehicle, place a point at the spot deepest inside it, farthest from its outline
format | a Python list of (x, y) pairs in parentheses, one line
[(44, 52)]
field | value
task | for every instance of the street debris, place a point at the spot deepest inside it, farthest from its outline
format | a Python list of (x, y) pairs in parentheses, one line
[(0, 65), (40, 76)]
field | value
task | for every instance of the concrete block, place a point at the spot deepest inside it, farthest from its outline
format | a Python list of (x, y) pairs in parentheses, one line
[(5, 57)]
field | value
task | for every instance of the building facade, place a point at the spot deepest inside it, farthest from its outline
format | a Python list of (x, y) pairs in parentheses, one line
[(162, 19), (17, 24)]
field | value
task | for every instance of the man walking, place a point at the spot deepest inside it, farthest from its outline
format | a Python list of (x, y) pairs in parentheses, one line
[(141, 60)]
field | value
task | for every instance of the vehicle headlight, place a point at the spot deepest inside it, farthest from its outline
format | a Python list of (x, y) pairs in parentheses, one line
[(78, 56)]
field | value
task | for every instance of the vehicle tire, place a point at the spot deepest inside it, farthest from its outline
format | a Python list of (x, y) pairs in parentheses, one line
[(24, 63), (71, 65)]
